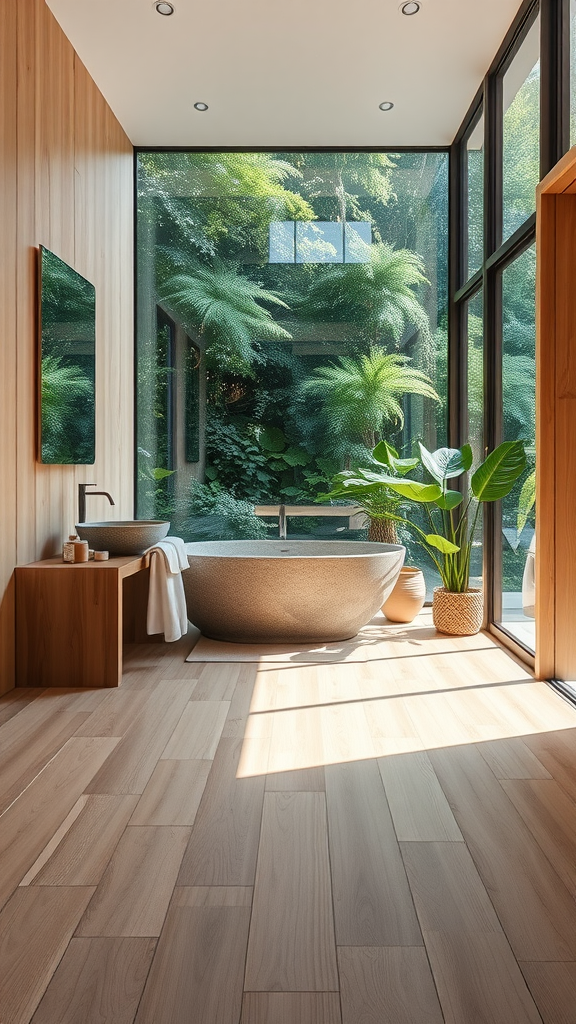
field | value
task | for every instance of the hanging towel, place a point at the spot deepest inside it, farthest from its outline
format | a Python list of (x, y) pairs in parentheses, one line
[(166, 601)]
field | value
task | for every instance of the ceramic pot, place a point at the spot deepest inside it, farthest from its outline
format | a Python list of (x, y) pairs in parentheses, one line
[(407, 597), (458, 614)]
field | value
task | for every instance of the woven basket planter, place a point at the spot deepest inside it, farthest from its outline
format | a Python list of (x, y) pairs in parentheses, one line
[(458, 614)]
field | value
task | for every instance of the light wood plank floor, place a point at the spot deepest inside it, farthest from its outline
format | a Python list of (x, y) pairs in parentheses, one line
[(386, 842)]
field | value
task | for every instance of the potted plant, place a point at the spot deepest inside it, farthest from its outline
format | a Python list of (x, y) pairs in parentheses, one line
[(457, 608), (384, 508)]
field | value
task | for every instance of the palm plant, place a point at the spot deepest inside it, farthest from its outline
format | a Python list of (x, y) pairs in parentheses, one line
[(225, 307), (379, 295), (359, 396)]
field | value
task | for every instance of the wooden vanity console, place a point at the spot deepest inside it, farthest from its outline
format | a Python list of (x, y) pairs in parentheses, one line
[(71, 620)]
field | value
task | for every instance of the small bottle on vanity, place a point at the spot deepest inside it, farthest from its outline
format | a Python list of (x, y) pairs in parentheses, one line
[(68, 549), (81, 551)]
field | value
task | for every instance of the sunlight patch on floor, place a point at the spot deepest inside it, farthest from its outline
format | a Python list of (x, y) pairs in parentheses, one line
[(313, 715)]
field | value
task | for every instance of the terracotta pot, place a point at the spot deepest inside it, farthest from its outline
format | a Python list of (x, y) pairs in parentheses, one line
[(408, 596), (458, 614)]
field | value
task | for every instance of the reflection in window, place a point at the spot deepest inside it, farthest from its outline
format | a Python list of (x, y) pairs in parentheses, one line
[(475, 180), (521, 133), (519, 418)]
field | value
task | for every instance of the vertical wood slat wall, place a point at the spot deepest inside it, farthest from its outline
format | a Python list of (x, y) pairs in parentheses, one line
[(66, 182), (556, 423)]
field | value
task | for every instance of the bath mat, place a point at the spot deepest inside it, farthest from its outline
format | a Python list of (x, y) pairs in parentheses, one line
[(362, 647)]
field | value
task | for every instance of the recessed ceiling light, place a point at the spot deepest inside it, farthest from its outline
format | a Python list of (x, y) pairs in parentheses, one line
[(200, 106), (387, 105), (164, 8), (410, 7)]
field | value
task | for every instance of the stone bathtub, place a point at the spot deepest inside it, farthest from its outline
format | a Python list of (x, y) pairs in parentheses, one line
[(276, 591)]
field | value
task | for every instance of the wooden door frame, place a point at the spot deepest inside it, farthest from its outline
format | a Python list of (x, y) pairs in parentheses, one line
[(556, 422)]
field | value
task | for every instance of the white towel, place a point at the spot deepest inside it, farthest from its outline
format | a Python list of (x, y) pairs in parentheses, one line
[(166, 600)]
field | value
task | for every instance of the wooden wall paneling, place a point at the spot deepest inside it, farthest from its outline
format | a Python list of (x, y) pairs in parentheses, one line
[(88, 206), (115, 409), (8, 224), (545, 434), (25, 298), (54, 227), (67, 183)]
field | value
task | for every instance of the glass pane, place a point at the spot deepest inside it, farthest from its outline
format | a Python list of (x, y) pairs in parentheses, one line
[(319, 242), (521, 133), (519, 403), (572, 72), (475, 187), (303, 290), (282, 242), (475, 336), (357, 240)]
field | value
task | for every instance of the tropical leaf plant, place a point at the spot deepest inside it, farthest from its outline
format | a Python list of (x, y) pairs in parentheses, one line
[(452, 515), (526, 501), (359, 395)]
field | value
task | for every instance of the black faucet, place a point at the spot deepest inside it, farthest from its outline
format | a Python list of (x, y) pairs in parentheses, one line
[(282, 524), (82, 500)]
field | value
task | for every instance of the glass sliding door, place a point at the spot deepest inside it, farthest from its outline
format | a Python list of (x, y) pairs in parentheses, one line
[(515, 603)]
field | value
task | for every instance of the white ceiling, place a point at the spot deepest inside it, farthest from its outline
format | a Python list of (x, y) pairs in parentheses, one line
[(284, 75)]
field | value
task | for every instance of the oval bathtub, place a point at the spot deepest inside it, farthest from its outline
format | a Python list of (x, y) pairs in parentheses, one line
[(274, 591)]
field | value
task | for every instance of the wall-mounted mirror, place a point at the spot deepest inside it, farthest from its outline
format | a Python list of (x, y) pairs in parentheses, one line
[(67, 362)]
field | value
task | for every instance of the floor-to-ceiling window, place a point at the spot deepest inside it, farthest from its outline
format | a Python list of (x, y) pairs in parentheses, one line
[(520, 89), (522, 120), (497, 155), (301, 299), (515, 608)]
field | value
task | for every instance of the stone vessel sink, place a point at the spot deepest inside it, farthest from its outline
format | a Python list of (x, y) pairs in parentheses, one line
[(128, 537)]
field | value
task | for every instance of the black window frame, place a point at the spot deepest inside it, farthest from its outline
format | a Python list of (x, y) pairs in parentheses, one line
[(554, 142)]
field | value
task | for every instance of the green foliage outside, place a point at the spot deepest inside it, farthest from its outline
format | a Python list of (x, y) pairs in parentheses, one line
[(308, 364), (272, 334)]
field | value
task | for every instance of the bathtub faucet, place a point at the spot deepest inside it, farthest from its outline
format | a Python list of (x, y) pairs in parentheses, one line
[(282, 527)]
